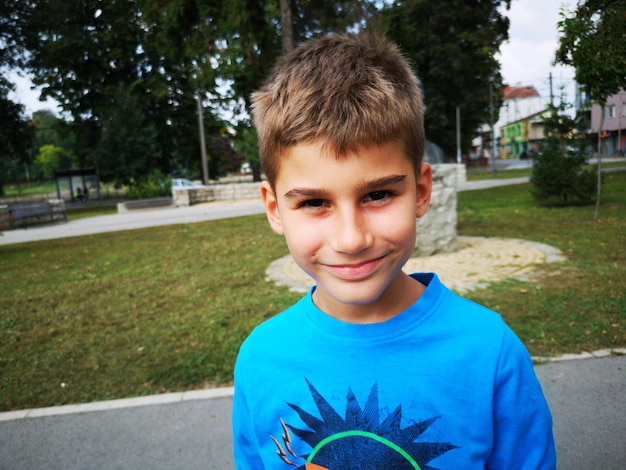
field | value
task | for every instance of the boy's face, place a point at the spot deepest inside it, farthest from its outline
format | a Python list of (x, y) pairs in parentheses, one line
[(349, 223)]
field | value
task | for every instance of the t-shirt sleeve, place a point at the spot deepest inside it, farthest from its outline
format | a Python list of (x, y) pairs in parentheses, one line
[(523, 436), (246, 451)]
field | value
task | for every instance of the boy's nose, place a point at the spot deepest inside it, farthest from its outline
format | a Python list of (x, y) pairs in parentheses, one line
[(350, 232)]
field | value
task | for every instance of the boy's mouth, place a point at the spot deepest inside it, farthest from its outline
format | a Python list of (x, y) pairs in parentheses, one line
[(355, 271)]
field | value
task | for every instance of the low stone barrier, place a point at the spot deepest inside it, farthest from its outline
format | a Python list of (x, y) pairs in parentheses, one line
[(143, 204), (190, 196), (436, 230), (236, 191)]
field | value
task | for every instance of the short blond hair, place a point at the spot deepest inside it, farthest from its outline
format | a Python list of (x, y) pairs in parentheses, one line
[(345, 90)]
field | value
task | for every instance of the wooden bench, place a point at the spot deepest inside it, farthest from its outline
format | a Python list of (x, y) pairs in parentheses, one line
[(26, 213)]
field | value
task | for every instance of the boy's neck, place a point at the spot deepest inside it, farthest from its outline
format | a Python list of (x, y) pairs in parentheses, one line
[(403, 292)]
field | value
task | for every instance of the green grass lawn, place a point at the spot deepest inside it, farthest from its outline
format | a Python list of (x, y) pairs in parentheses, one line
[(165, 309)]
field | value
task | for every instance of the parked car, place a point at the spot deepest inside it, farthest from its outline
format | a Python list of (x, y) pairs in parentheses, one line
[(183, 183)]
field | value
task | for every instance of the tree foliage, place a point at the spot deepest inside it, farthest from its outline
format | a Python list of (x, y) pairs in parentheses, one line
[(50, 158), (164, 53), (15, 136), (593, 41), (559, 176), (83, 53), (15, 133), (452, 45)]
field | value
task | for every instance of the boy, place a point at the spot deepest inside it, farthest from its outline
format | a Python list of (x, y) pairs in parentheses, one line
[(373, 369)]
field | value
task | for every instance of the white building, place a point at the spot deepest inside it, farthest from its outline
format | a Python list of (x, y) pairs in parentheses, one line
[(518, 102)]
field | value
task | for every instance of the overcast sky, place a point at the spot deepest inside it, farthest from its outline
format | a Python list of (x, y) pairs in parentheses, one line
[(526, 58)]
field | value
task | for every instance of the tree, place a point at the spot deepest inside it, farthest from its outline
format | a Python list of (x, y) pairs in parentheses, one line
[(593, 41), (129, 143), (169, 50), (52, 142), (558, 174), (15, 133), (50, 158), (80, 53), (15, 136), (452, 45)]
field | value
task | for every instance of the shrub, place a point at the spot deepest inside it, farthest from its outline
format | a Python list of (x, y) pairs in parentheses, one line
[(154, 185), (559, 174), (559, 177)]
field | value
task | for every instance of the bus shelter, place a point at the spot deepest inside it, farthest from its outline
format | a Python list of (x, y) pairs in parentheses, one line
[(80, 184)]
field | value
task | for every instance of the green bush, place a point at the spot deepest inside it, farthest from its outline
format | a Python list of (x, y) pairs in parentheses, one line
[(560, 178), (154, 185), (560, 175)]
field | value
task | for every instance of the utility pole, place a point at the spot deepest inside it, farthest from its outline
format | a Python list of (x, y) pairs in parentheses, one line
[(205, 167), (551, 93), (458, 134), (493, 131)]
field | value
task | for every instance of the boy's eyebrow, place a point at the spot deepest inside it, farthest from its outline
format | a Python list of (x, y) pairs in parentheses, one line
[(367, 185), (381, 182)]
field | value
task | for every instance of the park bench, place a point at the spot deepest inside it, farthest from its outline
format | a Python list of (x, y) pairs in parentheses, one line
[(25, 213)]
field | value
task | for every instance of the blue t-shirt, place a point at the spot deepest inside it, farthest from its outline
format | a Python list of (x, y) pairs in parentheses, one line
[(445, 384)]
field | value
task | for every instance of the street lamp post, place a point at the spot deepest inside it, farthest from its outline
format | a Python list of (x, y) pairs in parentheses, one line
[(205, 167)]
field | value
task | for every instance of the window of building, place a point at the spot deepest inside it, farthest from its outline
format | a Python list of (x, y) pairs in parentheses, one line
[(609, 111)]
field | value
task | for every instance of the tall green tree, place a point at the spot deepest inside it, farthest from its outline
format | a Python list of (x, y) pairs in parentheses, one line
[(129, 143), (593, 41), (16, 137), (52, 145), (81, 52), (15, 133), (452, 45)]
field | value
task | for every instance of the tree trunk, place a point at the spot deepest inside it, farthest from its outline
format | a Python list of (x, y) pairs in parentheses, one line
[(286, 25)]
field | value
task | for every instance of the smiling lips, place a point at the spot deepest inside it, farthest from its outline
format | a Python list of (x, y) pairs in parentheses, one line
[(355, 272)]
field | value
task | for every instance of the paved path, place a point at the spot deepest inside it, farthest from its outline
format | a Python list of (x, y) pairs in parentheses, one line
[(132, 220)]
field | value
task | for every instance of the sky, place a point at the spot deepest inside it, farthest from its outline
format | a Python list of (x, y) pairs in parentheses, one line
[(526, 58)]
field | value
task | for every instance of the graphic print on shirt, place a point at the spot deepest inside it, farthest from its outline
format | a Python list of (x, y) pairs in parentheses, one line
[(360, 440)]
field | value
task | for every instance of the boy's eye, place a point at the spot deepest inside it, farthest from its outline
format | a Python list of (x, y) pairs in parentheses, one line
[(312, 203), (378, 195)]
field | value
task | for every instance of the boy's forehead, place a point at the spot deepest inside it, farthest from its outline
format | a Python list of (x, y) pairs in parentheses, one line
[(305, 162), (319, 152)]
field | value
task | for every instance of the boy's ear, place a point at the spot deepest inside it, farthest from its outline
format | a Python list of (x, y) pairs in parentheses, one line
[(424, 188), (271, 207)]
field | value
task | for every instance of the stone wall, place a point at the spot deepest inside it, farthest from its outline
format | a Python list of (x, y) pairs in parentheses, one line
[(236, 191), (192, 196), (436, 230), (217, 192)]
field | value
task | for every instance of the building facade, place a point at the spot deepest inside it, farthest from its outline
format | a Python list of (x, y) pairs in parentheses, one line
[(614, 125)]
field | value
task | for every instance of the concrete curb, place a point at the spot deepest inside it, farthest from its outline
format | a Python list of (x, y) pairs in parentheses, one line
[(160, 399)]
